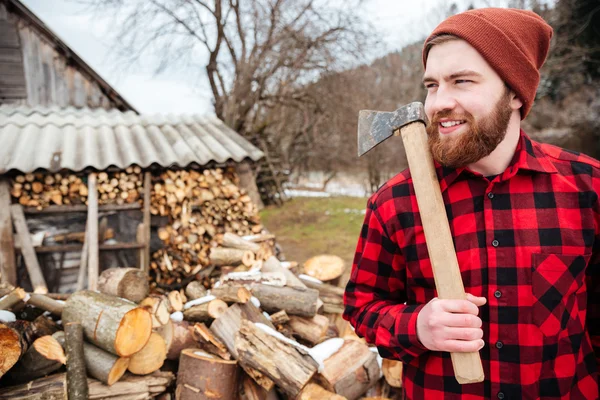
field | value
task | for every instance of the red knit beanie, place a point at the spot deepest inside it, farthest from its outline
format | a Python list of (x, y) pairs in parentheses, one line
[(514, 42)]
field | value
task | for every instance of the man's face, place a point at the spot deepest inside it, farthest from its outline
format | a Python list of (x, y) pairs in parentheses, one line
[(467, 104)]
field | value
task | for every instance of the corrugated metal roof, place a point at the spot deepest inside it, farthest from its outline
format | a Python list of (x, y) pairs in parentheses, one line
[(69, 138)]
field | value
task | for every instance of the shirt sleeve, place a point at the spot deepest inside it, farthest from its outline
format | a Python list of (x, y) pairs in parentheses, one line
[(593, 282), (375, 294)]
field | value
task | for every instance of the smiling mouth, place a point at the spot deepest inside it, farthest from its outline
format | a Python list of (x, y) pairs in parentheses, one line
[(450, 124)]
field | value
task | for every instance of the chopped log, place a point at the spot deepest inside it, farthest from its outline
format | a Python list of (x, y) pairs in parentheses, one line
[(46, 303), (294, 300), (54, 387), (45, 356), (280, 317), (111, 323), (158, 307), (100, 364), (175, 301), (77, 386), (250, 390), (209, 342), (150, 358), (220, 256), (324, 267), (11, 299), (226, 326), (180, 338), (313, 330), (237, 278), (272, 264), (202, 376), (285, 364), (128, 283), (11, 348), (232, 294), (233, 241), (6, 288), (312, 391), (392, 371), (258, 238), (194, 290), (351, 370), (206, 311)]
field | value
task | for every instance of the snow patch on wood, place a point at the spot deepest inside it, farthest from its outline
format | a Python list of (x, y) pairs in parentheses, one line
[(203, 354), (7, 316), (324, 350), (310, 278), (255, 301), (199, 301), (177, 316)]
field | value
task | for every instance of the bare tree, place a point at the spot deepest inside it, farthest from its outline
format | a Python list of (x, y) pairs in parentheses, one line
[(256, 53)]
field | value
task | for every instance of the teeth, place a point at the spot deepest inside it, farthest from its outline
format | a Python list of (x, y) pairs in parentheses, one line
[(451, 123)]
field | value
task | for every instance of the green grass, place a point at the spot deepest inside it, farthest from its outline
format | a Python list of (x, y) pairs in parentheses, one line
[(307, 227)]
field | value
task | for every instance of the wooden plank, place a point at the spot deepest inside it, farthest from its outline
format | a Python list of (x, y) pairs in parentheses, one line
[(19, 92), (31, 262), (80, 208), (83, 264), (11, 56), (147, 189), (141, 239), (92, 223), (8, 35), (8, 266), (65, 248)]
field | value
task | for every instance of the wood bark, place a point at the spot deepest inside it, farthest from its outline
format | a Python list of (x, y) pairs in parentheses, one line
[(128, 283), (332, 296), (203, 376), (150, 358), (294, 300), (111, 323), (312, 330), (233, 241), (46, 303), (53, 387), (194, 290), (285, 364), (77, 386), (206, 311), (232, 294), (31, 262), (351, 370), (45, 356), (100, 364), (181, 338), (280, 317), (250, 390), (209, 342), (8, 266), (229, 323), (11, 299), (220, 256)]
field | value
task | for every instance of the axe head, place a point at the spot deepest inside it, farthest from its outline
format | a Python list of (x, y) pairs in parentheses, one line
[(376, 126)]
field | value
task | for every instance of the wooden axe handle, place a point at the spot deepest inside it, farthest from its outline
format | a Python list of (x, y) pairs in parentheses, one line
[(446, 273)]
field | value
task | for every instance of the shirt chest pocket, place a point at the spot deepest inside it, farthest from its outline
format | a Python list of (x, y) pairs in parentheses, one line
[(555, 278)]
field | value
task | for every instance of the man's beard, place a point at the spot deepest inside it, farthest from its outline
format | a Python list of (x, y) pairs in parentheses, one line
[(478, 141)]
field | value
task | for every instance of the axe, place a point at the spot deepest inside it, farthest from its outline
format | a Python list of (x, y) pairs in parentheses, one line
[(409, 121)]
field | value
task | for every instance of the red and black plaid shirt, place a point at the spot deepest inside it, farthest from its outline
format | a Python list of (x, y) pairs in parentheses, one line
[(528, 241)]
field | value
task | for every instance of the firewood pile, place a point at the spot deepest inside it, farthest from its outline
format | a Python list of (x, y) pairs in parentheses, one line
[(268, 331), (42, 190)]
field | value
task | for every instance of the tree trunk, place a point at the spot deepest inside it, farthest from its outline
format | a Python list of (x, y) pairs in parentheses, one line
[(46, 303), (128, 283), (11, 299), (351, 370), (283, 363), (194, 290), (206, 311), (77, 386), (100, 364), (113, 324), (45, 356), (294, 300), (204, 377)]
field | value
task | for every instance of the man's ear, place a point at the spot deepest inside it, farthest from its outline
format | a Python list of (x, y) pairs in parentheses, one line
[(515, 102)]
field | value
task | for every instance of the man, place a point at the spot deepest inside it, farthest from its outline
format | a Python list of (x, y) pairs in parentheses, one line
[(525, 220)]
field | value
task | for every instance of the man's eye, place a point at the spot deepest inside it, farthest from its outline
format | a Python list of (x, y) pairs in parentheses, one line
[(430, 85), (463, 81)]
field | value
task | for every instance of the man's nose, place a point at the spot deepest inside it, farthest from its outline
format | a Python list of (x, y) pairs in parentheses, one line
[(443, 100)]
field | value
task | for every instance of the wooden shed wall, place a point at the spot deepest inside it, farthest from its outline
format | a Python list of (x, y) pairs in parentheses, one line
[(50, 77)]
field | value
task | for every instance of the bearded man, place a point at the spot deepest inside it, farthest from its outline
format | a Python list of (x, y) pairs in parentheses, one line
[(525, 220)]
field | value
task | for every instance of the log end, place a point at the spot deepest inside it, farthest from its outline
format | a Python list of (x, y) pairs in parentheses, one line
[(50, 348), (150, 358), (134, 286), (134, 332), (118, 370), (10, 348)]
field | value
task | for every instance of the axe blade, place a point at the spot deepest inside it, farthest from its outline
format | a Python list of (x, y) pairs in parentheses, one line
[(376, 126)]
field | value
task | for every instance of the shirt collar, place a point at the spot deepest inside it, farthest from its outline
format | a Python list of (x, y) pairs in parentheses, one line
[(528, 156)]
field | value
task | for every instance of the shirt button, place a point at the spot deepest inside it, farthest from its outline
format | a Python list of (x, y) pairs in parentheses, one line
[(497, 294), (495, 243), (500, 395), (490, 195), (499, 345)]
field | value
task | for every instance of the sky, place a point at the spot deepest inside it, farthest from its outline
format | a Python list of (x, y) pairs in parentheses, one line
[(399, 22)]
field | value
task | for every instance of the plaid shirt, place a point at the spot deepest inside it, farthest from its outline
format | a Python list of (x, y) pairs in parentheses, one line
[(528, 241)]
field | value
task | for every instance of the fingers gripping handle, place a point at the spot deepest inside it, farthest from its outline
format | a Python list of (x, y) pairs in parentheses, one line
[(446, 272)]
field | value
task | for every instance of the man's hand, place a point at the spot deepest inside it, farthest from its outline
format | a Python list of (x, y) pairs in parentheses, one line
[(451, 325)]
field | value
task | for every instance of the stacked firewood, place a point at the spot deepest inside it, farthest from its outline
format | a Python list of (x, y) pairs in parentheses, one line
[(201, 207), (41, 190)]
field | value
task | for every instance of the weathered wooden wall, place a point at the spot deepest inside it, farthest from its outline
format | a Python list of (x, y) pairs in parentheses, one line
[(35, 70)]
